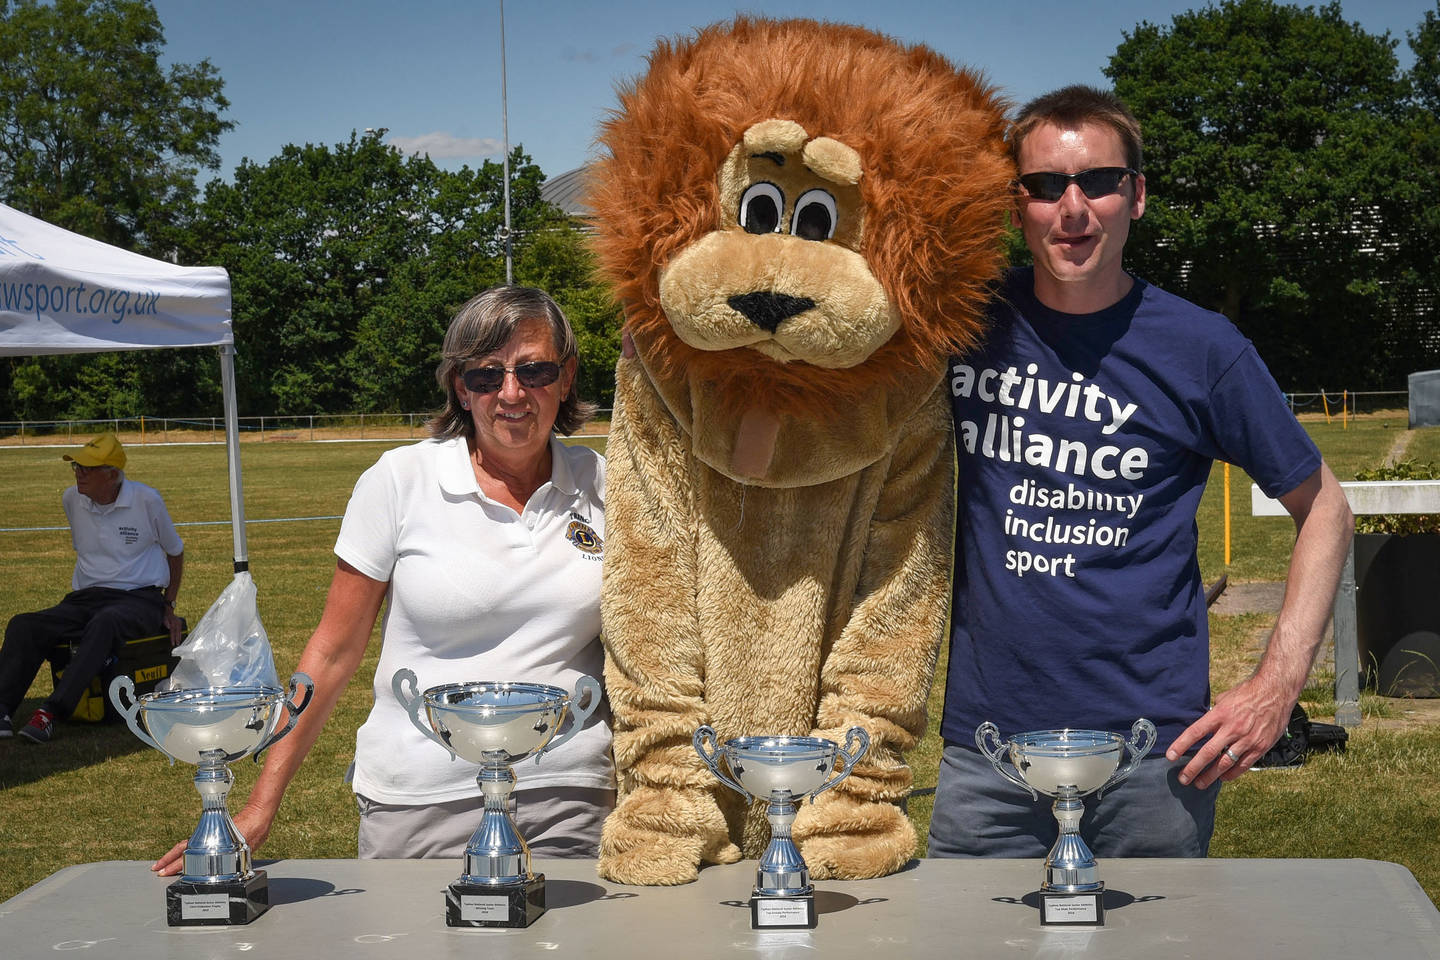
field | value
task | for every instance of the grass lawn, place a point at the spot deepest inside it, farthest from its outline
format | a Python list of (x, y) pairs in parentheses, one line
[(1260, 546), (97, 793)]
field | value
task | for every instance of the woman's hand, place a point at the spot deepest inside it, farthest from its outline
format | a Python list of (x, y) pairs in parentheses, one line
[(254, 825)]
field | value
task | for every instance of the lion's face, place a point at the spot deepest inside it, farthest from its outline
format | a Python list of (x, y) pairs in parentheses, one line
[(783, 273), (799, 215)]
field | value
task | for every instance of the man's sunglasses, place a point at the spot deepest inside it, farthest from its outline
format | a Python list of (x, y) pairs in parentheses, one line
[(540, 373), (1095, 183)]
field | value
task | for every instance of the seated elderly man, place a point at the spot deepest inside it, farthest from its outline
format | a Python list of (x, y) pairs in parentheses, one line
[(128, 561)]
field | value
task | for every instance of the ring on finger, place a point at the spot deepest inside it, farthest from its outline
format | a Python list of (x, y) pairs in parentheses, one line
[(1234, 757)]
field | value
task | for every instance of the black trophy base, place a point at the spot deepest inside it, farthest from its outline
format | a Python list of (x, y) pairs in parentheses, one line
[(495, 905), (1058, 908), (783, 913), (224, 904)]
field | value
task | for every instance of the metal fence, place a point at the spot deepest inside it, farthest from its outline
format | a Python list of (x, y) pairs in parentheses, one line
[(307, 427), (1334, 403), (391, 426)]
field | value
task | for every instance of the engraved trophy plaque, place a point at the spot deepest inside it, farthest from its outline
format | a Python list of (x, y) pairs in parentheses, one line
[(782, 771), (1068, 765), (212, 727), (496, 725)]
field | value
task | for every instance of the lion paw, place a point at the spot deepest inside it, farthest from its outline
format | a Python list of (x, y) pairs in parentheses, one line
[(659, 837), (850, 839)]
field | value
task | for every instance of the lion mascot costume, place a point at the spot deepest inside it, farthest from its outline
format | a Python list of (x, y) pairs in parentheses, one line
[(801, 221)]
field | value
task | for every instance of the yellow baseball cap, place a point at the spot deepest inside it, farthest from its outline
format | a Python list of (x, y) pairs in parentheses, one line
[(101, 451)]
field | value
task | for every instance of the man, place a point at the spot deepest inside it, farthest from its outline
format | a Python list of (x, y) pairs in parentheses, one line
[(1086, 426), (128, 562)]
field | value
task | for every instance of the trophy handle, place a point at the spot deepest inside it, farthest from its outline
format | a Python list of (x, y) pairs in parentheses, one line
[(1142, 738), (857, 742), (578, 714), (292, 709), (412, 704), (123, 682), (987, 731), (712, 758)]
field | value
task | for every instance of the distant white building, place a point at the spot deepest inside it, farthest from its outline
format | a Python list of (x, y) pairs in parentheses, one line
[(565, 191)]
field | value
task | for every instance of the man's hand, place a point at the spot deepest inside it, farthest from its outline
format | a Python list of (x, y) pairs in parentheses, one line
[(1243, 724), (172, 590), (172, 624)]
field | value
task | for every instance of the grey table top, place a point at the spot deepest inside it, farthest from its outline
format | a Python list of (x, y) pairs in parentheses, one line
[(1230, 909)]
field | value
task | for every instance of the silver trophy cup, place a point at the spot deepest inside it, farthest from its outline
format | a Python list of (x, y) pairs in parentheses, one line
[(782, 771), (212, 727), (1068, 765), (496, 725)]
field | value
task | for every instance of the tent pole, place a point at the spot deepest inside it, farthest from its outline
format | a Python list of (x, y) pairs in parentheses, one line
[(232, 456)]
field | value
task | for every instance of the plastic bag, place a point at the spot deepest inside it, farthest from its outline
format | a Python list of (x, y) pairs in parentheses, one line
[(229, 646)]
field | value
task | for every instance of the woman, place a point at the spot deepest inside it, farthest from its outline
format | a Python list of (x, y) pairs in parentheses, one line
[(487, 541)]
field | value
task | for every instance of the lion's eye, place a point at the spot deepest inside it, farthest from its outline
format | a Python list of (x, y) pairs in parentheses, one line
[(814, 216), (760, 207)]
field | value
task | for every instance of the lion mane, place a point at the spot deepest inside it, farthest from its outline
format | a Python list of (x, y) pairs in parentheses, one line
[(933, 187)]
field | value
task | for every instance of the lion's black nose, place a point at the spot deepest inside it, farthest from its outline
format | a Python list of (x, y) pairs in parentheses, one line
[(768, 310)]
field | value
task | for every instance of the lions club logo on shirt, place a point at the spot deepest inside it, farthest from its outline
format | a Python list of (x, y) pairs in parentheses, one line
[(584, 537)]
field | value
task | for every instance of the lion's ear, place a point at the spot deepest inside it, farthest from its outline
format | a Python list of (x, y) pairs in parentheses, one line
[(774, 136), (833, 160)]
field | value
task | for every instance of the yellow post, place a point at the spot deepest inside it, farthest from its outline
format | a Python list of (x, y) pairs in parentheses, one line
[(1344, 409), (1325, 401), (142, 429), (1227, 514)]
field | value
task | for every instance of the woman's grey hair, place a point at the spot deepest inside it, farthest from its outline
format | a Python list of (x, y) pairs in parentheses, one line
[(484, 325)]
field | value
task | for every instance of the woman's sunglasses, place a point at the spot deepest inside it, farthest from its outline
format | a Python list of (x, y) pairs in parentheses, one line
[(1095, 183), (540, 373)]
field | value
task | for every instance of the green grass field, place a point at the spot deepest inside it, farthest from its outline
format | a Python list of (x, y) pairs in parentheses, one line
[(97, 793)]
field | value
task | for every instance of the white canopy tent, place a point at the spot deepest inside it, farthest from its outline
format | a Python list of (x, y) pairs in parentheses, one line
[(64, 293)]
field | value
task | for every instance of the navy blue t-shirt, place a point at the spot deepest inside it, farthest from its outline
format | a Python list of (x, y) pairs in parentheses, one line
[(1084, 446)]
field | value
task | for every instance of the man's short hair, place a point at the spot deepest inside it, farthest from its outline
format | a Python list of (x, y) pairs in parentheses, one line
[(1073, 106)]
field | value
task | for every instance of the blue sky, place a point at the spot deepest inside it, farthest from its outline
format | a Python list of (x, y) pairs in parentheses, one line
[(428, 71)]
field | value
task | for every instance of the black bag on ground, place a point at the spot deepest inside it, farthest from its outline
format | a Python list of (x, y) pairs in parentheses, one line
[(1301, 737), (146, 660)]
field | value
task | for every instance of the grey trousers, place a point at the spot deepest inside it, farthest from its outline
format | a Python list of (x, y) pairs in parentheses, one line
[(559, 822), (979, 813)]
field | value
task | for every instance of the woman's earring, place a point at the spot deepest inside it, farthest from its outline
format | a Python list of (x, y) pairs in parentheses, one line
[(464, 405)]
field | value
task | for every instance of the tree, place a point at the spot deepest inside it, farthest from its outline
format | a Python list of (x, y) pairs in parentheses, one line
[(346, 264), (559, 261), (1413, 337), (1425, 75), (1273, 144), (95, 136)]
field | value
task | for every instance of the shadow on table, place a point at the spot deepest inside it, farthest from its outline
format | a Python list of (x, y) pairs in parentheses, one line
[(300, 889), (1112, 900), (830, 901), (826, 901), (559, 894)]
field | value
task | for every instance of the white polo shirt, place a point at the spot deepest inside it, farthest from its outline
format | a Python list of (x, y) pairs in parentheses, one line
[(122, 544), (477, 592)]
